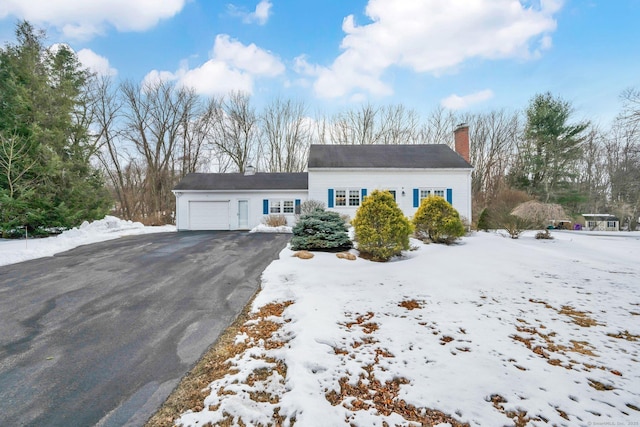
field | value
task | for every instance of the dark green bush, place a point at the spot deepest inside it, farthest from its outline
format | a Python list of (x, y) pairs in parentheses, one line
[(320, 230), (484, 220), (381, 229), (438, 221)]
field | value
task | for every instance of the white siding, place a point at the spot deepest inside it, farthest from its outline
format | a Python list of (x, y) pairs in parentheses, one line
[(402, 181), (184, 199)]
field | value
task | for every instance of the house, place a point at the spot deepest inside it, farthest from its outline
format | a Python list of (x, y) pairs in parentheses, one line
[(601, 222), (236, 201), (340, 176)]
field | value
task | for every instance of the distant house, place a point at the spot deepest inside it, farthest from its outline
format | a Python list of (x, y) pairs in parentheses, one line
[(601, 222), (340, 176)]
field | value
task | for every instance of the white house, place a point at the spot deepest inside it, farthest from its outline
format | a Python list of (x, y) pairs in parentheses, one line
[(340, 176), (601, 222)]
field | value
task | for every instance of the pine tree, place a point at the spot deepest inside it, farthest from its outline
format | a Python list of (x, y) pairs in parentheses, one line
[(46, 178), (381, 229), (550, 149)]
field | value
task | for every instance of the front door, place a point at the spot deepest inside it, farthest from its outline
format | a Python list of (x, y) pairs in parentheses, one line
[(243, 214)]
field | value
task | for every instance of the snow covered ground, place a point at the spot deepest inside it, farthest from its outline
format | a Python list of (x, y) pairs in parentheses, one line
[(12, 251), (486, 332)]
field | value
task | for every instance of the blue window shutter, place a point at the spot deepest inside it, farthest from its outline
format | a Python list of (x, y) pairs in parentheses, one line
[(416, 197), (450, 195), (297, 208), (297, 202), (330, 200), (265, 207), (364, 193)]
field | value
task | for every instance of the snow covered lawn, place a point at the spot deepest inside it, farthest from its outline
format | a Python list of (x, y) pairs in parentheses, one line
[(489, 332), (12, 251)]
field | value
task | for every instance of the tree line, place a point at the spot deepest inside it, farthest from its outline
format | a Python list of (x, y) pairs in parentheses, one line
[(76, 146)]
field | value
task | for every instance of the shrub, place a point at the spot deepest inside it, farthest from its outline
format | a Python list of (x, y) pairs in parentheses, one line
[(381, 229), (274, 220), (438, 221), (320, 230), (484, 220), (309, 206), (544, 235), (514, 225)]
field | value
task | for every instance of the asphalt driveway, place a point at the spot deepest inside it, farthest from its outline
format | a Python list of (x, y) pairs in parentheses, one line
[(101, 334)]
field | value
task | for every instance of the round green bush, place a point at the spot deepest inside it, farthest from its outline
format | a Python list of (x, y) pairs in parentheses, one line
[(320, 230), (437, 221), (381, 229)]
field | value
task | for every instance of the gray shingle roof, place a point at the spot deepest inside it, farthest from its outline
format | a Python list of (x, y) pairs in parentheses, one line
[(239, 181), (385, 156)]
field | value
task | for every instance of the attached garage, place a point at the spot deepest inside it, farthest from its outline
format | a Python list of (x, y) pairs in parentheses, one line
[(237, 201), (207, 215)]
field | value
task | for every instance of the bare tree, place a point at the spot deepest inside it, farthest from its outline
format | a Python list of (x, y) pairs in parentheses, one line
[(154, 118), (112, 154), (623, 161), (494, 138), (285, 136), (438, 127), (236, 129), (398, 125), (591, 177)]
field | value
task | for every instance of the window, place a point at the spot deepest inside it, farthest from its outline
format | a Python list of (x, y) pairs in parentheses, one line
[(592, 224), (393, 193), (611, 224), (354, 197), (281, 207), (426, 192), (287, 206), (347, 197)]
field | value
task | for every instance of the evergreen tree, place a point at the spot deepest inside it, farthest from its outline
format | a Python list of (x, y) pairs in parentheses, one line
[(320, 230), (381, 229), (438, 221), (46, 178), (550, 149)]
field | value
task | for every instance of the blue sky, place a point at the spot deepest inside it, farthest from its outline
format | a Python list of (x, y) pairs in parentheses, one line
[(464, 55)]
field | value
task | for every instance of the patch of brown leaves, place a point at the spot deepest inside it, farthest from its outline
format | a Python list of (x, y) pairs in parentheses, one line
[(362, 321), (371, 393), (194, 387), (411, 304), (519, 418), (624, 335), (580, 318), (600, 386)]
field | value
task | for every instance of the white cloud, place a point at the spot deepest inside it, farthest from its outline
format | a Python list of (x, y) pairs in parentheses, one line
[(432, 37), (96, 63), (249, 58), (259, 16), (232, 66), (456, 102), (85, 19)]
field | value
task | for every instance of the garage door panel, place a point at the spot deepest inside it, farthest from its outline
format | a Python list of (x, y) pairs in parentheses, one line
[(209, 215)]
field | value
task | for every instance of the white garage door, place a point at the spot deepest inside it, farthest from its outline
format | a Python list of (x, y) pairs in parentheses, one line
[(209, 215)]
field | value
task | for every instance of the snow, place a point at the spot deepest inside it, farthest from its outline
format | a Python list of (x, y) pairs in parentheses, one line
[(539, 323), (13, 251), (262, 228)]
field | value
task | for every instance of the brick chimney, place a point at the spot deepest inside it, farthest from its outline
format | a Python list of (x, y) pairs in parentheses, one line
[(461, 138)]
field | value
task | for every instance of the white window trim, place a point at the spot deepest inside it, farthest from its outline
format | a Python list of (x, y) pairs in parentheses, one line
[(432, 191), (279, 204), (347, 197)]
